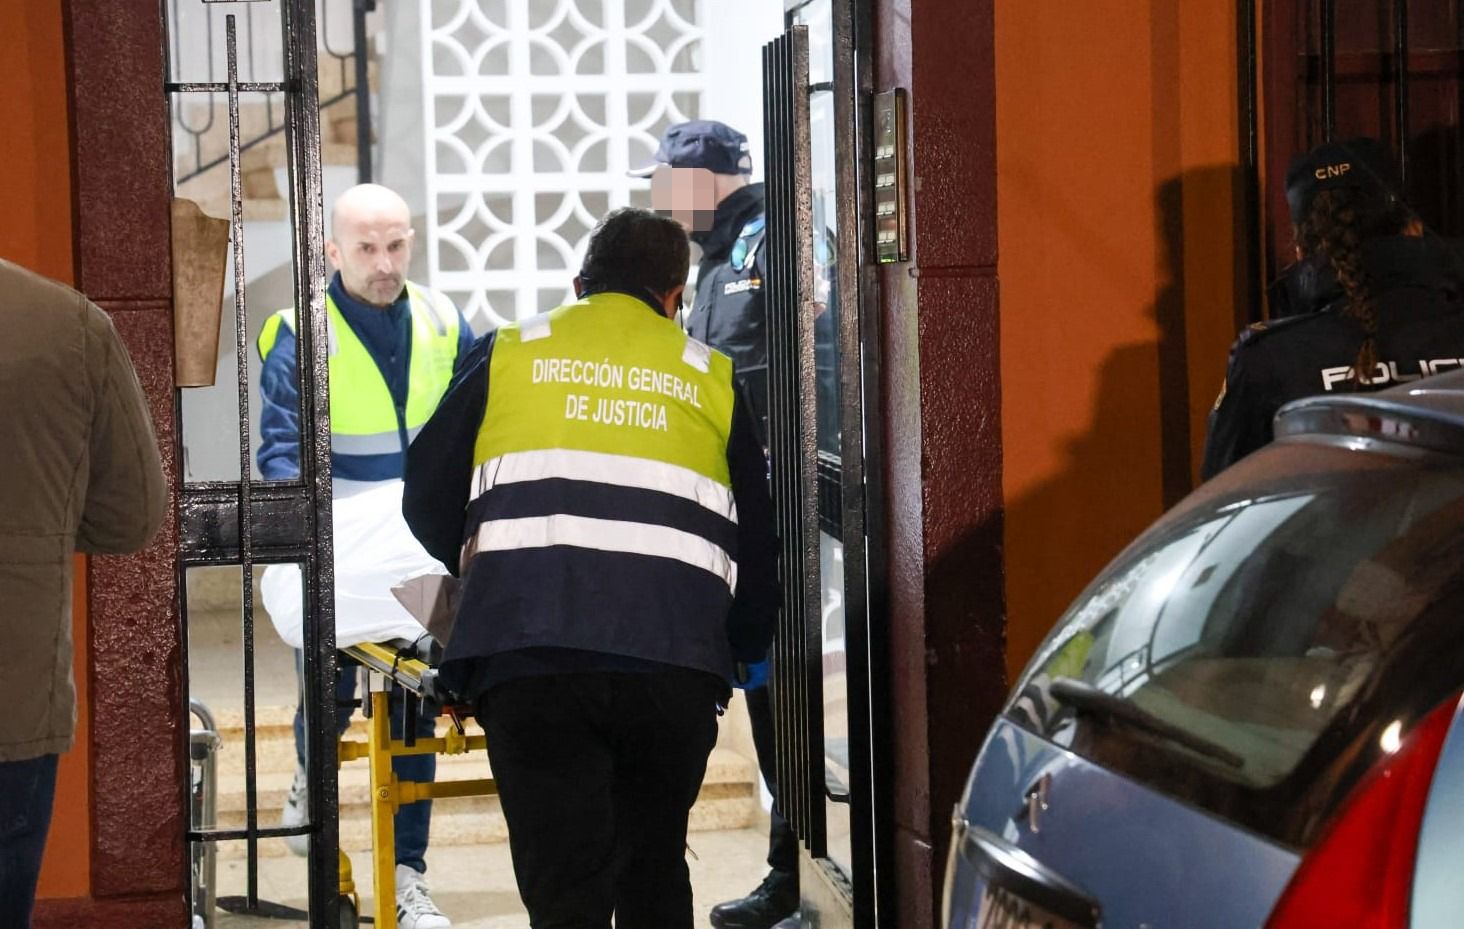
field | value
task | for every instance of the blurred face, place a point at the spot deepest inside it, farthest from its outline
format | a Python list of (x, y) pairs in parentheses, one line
[(687, 195), (372, 248)]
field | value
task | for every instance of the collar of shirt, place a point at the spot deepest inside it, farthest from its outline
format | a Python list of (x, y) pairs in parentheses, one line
[(350, 306)]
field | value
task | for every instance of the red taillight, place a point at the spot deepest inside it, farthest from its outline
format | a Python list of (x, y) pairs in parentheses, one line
[(1360, 873)]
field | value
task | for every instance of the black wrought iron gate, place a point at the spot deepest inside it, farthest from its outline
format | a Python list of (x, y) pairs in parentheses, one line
[(1324, 70), (246, 522), (824, 437)]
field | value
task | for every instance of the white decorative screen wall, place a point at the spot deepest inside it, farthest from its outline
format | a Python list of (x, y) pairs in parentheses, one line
[(535, 109)]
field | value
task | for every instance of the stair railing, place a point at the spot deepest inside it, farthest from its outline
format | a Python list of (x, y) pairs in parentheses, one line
[(353, 64)]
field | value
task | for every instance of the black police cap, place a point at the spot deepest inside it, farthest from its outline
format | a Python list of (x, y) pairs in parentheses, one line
[(1358, 164), (701, 143)]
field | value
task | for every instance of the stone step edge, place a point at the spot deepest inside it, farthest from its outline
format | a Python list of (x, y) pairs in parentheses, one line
[(468, 807), (725, 766), (707, 816)]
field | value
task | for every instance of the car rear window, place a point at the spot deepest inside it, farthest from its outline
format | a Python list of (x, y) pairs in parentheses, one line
[(1250, 652)]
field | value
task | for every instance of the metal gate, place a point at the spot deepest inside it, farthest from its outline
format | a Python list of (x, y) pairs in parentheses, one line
[(246, 522), (824, 437), (1390, 69)]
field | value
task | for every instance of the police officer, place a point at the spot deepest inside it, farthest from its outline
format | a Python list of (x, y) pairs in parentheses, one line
[(699, 176), (598, 480), (1399, 315), (393, 347)]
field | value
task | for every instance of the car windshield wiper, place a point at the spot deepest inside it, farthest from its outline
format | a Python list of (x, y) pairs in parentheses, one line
[(1085, 698)]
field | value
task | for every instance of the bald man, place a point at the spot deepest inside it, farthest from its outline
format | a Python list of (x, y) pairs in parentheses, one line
[(394, 346)]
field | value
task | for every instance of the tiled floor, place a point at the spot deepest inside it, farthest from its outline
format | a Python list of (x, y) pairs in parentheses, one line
[(474, 885)]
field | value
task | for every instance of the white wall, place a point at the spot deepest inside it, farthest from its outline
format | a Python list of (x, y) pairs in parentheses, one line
[(733, 65)]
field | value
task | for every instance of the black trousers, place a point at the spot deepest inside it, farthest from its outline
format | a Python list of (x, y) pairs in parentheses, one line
[(597, 772), (782, 843)]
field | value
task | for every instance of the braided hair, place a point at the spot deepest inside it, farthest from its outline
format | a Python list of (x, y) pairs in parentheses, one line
[(1335, 226)]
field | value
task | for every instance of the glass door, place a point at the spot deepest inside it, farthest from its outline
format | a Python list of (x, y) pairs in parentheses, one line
[(831, 703)]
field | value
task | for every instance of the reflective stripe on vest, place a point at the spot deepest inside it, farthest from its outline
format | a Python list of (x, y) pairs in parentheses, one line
[(606, 535), (620, 470), (363, 418), (605, 393), (611, 535)]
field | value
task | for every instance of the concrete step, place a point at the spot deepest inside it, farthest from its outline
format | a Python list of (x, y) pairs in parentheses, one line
[(338, 122), (724, 767), (201, 126), (214, 201), (728, 799), (260, 168), (334, 80), (271, 154)]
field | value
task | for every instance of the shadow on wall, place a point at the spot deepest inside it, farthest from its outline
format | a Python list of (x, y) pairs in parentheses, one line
[(1118, 475)]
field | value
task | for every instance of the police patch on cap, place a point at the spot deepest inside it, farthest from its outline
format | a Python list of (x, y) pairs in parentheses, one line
[(1359, 164)]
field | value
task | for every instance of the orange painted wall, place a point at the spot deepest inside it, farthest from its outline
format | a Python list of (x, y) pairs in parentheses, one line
[(1118, 187), (35, 161), (35, 186)]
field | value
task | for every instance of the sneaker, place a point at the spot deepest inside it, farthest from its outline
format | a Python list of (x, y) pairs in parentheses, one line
[(296, 813), (415, 909), (774, 900)]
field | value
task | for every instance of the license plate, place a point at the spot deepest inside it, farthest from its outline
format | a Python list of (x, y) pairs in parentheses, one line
[(1002, 909)]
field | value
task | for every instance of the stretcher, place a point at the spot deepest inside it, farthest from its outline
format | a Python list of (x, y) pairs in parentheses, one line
[(406, 664)]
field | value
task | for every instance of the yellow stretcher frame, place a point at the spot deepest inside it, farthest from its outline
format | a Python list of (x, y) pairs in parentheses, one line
[(385, 666)]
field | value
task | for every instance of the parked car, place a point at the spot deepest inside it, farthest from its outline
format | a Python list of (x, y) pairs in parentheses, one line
[(1252, 717)]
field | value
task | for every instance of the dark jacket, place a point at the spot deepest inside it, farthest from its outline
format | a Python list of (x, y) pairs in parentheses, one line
[(1311, 284), (1420, 313), (1305, 287), (728, 312)]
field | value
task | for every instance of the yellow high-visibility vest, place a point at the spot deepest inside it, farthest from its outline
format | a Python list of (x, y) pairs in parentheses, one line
[(363, 417), (601, 514)]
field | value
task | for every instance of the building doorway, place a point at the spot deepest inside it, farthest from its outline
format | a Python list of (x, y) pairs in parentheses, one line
[(508, 125)]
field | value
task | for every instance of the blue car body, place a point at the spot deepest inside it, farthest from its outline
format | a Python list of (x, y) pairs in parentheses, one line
[(1150, 860), (1190, 728)]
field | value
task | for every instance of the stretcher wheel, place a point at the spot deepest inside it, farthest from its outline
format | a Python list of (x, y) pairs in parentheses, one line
[(349, 918)]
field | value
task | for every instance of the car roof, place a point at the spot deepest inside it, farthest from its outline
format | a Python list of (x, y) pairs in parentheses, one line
[(1427, 414)]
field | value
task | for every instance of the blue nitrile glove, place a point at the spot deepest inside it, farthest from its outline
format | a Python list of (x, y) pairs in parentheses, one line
[(751, 676)]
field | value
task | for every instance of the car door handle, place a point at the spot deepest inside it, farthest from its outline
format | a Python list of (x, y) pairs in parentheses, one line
[(1034, 804)]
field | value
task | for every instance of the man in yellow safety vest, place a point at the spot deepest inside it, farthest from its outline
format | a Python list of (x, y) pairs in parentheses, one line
[(597, 478), (392, 349)]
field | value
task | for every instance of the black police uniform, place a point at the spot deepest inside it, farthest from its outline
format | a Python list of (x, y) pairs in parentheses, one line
[(1420, 331), (728, 311), (1311, 284)]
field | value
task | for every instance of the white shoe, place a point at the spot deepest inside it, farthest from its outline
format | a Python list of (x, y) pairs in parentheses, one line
[(296, 813), (415, 909)]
